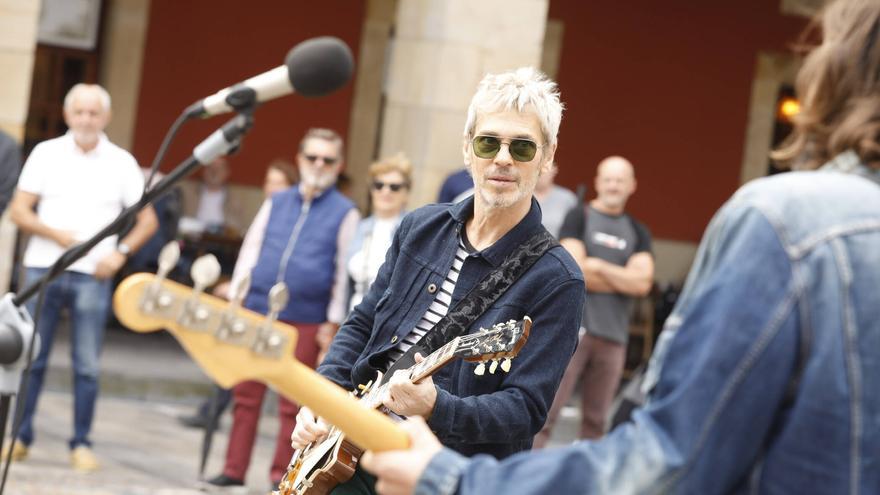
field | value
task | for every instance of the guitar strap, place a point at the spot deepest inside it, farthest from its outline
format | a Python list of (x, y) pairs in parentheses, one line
[(479, 299)]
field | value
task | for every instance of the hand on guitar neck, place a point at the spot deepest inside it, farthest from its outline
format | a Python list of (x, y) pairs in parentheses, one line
[(407, 398), (401, 396)]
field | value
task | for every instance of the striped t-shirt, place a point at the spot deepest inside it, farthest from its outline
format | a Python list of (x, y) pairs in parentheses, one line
[(437, 310)]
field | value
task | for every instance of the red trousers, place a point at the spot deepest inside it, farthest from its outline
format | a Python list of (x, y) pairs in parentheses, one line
[(247, 403), (601, 362)]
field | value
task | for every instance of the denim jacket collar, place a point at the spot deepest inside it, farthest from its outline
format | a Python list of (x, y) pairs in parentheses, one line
[(497, 252), (850, 163)]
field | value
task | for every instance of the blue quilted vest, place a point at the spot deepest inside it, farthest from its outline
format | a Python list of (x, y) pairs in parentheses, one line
[(311, 267)]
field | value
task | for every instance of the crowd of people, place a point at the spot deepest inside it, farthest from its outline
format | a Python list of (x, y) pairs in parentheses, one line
[(763, 380)]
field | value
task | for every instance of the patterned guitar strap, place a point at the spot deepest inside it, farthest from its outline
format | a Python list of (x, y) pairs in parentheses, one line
[(478, 300)]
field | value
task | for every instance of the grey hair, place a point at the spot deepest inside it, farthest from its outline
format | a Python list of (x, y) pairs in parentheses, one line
[(80, 88), (516, 90)]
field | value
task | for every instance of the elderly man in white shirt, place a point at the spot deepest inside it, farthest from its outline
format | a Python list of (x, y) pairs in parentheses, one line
[(79, 183)]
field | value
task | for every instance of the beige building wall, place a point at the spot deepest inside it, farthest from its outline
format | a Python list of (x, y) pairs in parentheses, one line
[(18, 41), (441, 50), (122, 56)]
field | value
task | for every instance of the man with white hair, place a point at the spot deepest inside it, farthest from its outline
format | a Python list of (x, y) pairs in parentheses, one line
[(443, 254), (79, 183)]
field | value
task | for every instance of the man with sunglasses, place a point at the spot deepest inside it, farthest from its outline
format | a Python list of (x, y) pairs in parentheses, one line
[(298, 237), (439, 254)]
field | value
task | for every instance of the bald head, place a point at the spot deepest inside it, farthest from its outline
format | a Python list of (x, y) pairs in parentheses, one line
[(616, 165), (615, 183)]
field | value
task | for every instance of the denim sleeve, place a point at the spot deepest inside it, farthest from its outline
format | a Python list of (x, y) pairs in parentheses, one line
[(728, 358), (518, 409), (353, 335)]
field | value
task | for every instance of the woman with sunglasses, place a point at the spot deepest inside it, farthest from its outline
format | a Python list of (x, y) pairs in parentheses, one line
[(389, 191)]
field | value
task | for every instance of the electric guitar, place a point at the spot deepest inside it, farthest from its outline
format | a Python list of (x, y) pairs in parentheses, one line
[(320, 466), (233, 344)]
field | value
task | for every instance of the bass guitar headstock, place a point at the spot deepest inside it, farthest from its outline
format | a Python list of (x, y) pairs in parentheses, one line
[(231, 343)]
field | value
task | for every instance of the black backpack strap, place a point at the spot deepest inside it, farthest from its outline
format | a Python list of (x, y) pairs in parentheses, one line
[(479, 299)]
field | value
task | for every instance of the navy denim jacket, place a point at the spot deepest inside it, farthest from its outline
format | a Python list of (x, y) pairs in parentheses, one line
[(499, 413), (766, 378)]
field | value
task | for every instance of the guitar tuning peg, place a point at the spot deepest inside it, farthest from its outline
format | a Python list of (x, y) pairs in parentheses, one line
[(493, 366), (505, 365), (480, 370), (168, 258), (205, 272)]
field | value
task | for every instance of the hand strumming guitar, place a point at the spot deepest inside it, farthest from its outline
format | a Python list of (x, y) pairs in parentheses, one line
[(309, 429)]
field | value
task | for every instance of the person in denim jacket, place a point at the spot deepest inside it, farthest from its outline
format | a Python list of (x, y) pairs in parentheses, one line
[(439, 253), (766, 376)]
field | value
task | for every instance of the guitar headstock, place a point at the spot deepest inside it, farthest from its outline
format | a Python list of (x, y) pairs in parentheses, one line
[(230, 343), (501, 341)]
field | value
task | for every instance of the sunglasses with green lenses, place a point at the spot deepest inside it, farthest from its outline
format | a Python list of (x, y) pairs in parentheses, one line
[(521, 150)]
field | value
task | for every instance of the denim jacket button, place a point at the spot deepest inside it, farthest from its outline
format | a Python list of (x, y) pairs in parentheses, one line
[(394, 339), (432, 288)]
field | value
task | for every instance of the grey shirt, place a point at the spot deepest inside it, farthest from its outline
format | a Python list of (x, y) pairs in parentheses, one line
[(613, 239), (554, 207), (10, 167)]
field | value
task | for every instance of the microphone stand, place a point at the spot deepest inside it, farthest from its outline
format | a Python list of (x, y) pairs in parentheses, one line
[(18, 337)]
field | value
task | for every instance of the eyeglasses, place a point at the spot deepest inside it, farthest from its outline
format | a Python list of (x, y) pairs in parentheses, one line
[(521, 150), (328, 160), (393, 187)]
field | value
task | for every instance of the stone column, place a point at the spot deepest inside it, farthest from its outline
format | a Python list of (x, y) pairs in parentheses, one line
[(18, 42), (122, 56), (441, 50), (366, 108)]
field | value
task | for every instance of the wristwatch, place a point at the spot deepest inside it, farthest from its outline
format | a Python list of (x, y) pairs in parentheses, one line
[(124, 249)]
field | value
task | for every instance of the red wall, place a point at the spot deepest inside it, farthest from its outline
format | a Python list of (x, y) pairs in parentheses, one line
[(667, 85), (197, 47)]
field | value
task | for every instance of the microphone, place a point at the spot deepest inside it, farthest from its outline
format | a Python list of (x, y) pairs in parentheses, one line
[(313, 68)]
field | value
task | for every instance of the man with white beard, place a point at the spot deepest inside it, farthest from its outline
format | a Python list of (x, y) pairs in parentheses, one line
[(297, 237)]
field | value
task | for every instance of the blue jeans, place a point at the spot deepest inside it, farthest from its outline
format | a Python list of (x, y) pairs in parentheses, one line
[(87, 301)]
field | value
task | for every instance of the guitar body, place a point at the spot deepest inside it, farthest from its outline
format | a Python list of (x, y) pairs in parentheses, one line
[(320, 467), (324, 466)]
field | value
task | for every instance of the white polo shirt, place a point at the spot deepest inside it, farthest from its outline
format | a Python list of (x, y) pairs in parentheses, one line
[(79, 192)]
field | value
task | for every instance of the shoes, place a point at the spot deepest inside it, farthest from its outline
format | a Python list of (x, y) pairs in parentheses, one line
[(83, 459), (19, 451), (194, 421), (223, 480)]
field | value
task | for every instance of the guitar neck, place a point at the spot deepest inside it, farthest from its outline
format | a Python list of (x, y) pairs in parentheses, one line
[(419, 371), (366, 427), (253, 349)]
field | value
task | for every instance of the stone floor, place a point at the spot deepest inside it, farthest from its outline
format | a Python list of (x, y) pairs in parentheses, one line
[(147, 382)]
